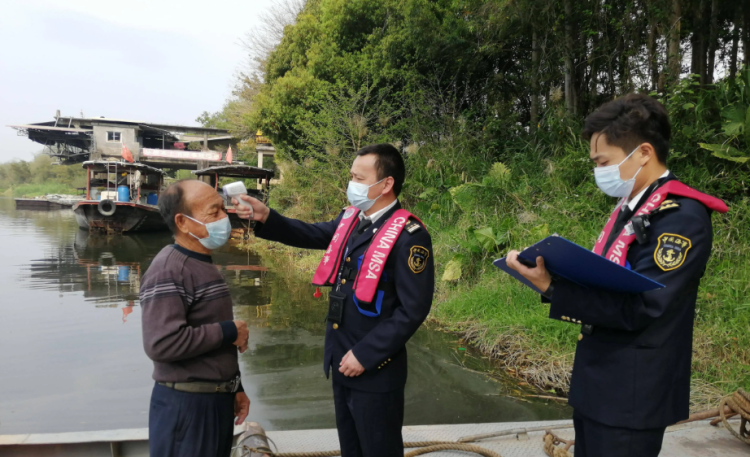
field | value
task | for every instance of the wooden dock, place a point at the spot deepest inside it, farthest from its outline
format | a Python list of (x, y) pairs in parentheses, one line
[(47, 202)]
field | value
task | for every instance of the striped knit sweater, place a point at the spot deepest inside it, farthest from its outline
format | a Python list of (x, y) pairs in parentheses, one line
[(187, 318)]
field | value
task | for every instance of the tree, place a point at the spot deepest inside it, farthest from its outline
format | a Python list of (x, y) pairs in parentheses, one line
[(674, 56)]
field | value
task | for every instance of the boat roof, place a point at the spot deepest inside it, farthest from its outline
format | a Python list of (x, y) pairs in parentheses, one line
[(235, 171), (143, 168)]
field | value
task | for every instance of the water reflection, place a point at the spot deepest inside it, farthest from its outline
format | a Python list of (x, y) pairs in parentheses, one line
[(73, 360)]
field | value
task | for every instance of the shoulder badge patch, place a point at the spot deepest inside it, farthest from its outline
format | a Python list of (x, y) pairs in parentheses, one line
[(418, 259), (665, 206), (671, 251), (412, 227)]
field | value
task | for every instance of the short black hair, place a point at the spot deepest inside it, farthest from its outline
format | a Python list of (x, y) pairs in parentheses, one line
[(631, 120), (388, 163), (171, 203)]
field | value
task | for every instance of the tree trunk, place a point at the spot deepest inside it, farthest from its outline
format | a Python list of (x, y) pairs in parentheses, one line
[(570, 95), (703, 49), (653, 64), (735, 44), (713, 41), (696, 39), (594, 57), (674, 57), (534, 79), (746, 38)]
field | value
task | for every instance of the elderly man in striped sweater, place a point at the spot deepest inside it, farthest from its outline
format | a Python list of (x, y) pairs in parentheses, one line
[(189, 331)]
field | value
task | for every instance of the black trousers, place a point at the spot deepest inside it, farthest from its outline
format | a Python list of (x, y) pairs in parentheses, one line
[(594, 439), (369, 424), (182, 424)]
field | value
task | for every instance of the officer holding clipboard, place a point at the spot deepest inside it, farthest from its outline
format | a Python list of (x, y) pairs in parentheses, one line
[(631, 375)]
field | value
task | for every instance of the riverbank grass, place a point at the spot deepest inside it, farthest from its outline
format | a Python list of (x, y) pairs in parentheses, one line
[(37, 190)]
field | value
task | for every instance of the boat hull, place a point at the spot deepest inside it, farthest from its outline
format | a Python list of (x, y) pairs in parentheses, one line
[(128, 217)]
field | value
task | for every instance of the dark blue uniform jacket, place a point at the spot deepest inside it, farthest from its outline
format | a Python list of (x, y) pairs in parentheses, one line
[(633, 370), (379, 342)]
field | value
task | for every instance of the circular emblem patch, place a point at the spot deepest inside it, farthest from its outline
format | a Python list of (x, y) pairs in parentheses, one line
[(671, 251), (349, 213)]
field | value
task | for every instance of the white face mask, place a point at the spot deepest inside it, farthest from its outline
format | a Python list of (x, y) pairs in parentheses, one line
[(611, 183), (357, 193)]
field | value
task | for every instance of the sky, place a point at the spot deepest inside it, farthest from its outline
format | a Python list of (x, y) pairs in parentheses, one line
[(161, 61)]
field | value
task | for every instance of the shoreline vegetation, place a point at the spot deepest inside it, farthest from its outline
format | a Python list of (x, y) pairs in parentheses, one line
[(486, 99), (40, 176)]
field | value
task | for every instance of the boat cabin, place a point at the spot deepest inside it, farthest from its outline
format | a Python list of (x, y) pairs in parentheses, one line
[(262, 177), (123, 182)]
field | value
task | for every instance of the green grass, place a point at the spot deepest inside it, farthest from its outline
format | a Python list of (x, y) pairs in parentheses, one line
[(35, 190)]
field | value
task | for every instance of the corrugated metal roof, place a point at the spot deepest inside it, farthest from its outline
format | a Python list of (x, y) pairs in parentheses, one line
[(63, 119), (45, 127)]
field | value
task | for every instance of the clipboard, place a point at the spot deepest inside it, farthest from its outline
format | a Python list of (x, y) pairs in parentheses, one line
[(577, 264)]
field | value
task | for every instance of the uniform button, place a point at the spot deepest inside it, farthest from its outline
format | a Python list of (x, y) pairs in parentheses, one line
[(389, 360), (335, 326), (565, 318), (348, 259), (343, 281), (580, 336)]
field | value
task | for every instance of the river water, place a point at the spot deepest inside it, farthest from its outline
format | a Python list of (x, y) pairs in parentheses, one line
[(71, 356)]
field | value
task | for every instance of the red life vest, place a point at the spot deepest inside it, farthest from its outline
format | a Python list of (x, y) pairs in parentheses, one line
[(373, 262), (618, 251)]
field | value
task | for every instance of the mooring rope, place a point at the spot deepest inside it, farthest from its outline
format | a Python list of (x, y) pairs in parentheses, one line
[(453, 447), (550, 445), (424, 447), (739, 402)]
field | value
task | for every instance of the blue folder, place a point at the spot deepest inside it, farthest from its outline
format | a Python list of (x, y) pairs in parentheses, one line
[(577, 264)]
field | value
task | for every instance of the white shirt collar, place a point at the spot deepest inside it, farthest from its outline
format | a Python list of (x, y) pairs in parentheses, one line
[(634, 200), (377, 214)]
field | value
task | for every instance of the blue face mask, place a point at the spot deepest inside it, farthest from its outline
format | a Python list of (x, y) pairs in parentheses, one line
[(611, 183), (218, 232)]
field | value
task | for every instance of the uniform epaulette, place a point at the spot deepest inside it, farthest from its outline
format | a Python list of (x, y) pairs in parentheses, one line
[(665, 206), (412, 227)]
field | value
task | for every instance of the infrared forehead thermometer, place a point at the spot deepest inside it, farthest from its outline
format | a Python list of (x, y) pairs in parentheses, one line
[(234, 190)]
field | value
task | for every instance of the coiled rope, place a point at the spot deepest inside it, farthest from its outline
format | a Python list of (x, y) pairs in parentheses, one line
[(550, 445), (739, 403)]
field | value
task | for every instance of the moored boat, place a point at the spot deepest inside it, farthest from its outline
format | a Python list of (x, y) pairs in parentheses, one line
[(120, 197), (262, 176)]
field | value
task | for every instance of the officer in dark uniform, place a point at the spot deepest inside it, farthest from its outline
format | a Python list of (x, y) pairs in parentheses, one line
[(631, 375), (366, 347)]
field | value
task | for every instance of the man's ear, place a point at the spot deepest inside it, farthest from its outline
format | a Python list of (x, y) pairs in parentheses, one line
[(389, 182), (647, 152), (180, 222)]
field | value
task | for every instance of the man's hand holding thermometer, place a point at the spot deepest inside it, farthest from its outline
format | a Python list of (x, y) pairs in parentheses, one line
[(246, 207)]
